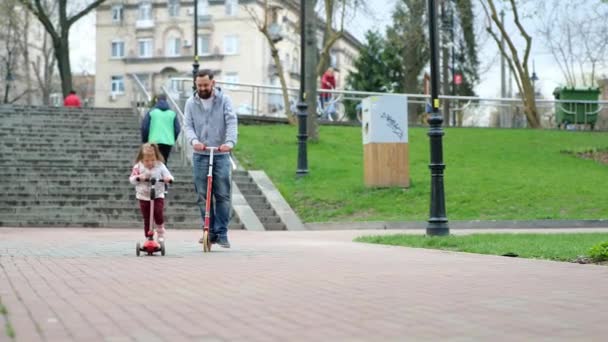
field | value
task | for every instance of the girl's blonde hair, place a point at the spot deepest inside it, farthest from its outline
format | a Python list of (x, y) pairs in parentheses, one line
[(149, 149)]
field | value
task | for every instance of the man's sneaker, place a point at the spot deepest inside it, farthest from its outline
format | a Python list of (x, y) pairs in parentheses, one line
[(212, 239), (223, 241)]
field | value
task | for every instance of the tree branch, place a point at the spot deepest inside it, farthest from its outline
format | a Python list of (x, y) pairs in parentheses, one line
[(40, 13), (523, 33), (84, 12)]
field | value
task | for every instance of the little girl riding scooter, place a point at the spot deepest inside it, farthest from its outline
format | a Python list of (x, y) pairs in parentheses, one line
[(149, 166)]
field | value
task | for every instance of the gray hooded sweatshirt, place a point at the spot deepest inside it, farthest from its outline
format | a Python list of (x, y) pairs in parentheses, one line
[(213, 126)]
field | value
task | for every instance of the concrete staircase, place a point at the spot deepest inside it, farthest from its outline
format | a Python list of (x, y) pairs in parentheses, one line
[(70, 167), (257, 201)]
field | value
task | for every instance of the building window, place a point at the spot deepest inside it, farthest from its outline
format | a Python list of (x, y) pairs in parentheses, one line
[(144, 11), (173, 47), (231, 45), (118, 49), (232, 7), (145, 47), (203, 7), (176, 86), (333, 60), (204, 45), (295, 62), (117, 13), (173, 7), (118, 84), (231, 77)]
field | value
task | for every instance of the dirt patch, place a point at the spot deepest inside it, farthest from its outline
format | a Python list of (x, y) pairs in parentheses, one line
[(598, 156), (586, 260)]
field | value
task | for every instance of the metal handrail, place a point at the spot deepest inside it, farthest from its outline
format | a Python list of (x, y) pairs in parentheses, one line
[(372, 93), (182, 142)]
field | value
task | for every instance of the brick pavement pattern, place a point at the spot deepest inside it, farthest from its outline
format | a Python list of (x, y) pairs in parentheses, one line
[(88, 285)]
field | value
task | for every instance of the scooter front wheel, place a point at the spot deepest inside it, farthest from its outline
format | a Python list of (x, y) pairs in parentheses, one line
[(137, 249), (162, 248)]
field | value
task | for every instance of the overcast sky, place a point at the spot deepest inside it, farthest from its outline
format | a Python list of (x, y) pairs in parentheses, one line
[(83, 48)]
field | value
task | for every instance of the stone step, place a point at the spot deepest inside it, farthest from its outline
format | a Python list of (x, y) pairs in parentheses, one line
[(71, 125), (249, 192), (77, 138), (256, 199), (55, 117), (101, 217), (114, 224), (80, 200), (275, 226), (259, 206), (70, 196), (115, 150), (269, 219), (93, 186), (265, 212), (96, 208), (23, 174)]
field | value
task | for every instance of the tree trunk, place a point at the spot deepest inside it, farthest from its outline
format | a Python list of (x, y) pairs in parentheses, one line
[(445, 59), (310, 60), (62, 55), (530, 109), (277, 62)]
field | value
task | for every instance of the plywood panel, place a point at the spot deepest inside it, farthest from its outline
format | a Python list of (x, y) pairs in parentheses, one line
[(386, 164)]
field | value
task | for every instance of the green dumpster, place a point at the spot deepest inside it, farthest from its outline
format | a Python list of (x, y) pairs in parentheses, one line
[(576, 113)]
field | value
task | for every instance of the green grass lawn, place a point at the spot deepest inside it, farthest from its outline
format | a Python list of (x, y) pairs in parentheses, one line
[(491, 174), (561, 247)]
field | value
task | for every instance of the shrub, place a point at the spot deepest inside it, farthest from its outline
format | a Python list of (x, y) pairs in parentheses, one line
[(599, 252)]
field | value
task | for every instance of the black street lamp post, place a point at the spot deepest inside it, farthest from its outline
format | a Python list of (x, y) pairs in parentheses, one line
[(438, 222), (195, 65), (302, 107)]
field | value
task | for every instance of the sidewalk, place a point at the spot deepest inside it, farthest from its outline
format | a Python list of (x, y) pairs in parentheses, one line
[(88, 285)]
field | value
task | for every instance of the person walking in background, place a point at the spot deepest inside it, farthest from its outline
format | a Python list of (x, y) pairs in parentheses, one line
[(72, 100), (328, 81), (161, 127)]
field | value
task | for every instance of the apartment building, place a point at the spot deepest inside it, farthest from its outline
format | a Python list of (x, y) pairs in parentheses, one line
[(154, 40), (26, 58)]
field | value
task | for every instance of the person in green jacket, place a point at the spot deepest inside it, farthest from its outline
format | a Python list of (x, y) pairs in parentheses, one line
[(161, 127)]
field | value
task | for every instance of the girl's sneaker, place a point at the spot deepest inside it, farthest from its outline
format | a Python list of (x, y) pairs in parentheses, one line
[(160, 233)]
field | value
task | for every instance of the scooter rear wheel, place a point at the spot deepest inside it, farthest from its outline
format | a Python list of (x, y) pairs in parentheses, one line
[(137, 249)]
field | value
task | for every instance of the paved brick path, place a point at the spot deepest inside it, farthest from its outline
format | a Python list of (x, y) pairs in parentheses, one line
[(88, 285)]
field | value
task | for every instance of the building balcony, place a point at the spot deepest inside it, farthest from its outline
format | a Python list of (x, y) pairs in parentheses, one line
[(205, 21), (143, 24), (166, 59)]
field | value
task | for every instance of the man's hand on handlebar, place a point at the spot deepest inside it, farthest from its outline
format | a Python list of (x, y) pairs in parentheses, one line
[(225, 148), (199, 147)]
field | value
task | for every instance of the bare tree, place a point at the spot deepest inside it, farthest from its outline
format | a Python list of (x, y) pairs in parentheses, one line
[(44, 69), (12, 30), (518, 64), (332, 9), (59, 32), (575, 34), (264, 26)]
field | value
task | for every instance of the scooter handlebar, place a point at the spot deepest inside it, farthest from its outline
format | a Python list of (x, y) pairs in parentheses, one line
[(153, 180)]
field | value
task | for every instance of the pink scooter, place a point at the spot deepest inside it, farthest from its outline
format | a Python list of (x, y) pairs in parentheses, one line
[(151, 246)]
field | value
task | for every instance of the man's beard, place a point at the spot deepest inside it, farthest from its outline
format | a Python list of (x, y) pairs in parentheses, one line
[(205, 94)]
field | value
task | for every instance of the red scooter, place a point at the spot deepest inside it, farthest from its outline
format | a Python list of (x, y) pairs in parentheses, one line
[(151, 246), (206, 239)]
